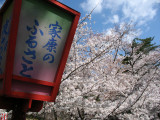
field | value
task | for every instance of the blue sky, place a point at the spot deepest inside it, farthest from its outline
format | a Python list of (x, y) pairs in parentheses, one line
[(145, 13)]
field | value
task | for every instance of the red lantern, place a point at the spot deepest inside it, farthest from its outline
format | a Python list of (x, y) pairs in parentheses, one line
[(36, 36)]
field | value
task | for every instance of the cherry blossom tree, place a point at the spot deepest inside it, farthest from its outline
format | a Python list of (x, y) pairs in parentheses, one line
[(108, 75)]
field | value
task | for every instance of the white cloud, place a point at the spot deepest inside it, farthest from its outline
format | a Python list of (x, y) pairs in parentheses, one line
[(136, 10), (113, 5), (140, 10), (89, 5), (113, 19), (128, 37)]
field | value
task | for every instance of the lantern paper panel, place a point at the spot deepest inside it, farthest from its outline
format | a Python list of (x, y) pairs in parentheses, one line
[(5, 30), (42, 33), (20, 86)]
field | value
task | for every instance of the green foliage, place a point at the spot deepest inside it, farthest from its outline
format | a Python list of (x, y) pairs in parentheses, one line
[(127, 60), (85, 97), (145, 45), (98, 98), (139, 47)]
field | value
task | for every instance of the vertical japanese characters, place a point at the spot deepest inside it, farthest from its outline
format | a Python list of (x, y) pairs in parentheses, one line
[(30, 54), (55, 30), (4, 41)]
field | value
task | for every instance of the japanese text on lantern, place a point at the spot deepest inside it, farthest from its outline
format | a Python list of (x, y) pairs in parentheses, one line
[(4, 42), (30, 54), (32, 42), (50, 46)]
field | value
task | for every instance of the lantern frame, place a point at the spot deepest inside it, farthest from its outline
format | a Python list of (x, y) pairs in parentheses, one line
[(8, 75)]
